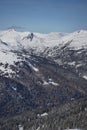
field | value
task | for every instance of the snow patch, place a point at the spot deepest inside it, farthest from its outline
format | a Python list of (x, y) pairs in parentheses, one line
[(34, 68), (14, 88), (6, 72), (85, 77), (45, 83), (71, 63), (53, 83), (38, 128), (20, 127), (50, 81), (44, 114), (8, 59), (78, 65)]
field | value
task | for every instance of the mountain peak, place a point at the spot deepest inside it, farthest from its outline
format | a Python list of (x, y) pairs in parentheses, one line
[(41, 41), (11, 30)]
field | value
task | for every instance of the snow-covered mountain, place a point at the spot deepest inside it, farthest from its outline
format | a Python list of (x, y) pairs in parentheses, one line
[(12, 41), (41, 70), (52, 45), (19, 40), (23, 39)]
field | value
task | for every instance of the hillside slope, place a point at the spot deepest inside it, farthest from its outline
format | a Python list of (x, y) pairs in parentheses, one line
[(39, 71)]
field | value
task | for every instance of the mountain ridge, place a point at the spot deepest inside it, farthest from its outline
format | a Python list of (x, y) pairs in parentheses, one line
[(41, 70), (46, 45)]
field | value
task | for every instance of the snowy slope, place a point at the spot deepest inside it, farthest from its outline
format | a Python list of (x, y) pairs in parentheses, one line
[(21, 39), (79, 39), (17, 39), (11, 41)]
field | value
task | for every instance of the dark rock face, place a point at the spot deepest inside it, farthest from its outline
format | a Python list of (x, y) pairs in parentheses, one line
[(29, 36), (3, 43)]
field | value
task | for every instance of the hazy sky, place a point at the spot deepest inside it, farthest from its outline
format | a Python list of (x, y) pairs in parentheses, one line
[(44, 15)]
